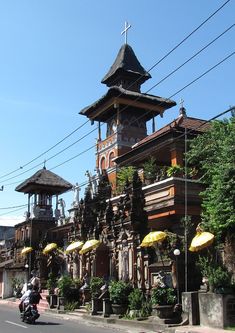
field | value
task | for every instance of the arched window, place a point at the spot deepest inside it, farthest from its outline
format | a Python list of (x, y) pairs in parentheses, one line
[(102, 163), (111, 157)]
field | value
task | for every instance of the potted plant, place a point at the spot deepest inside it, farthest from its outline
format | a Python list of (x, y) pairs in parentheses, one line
[(51, 284), (95, 288), (119, 292), (150, 170), (95, 284), (64, 285), (163, 300), (175, 171)]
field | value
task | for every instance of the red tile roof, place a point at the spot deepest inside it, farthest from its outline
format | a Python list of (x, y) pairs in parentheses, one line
[(192, 124)]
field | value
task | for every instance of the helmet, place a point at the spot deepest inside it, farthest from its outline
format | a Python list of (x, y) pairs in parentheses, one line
[(29, 286)]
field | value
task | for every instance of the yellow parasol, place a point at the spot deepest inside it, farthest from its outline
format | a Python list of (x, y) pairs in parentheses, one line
[(74, 246), (49, 248), (26, 250), (202, 240), (89, 245), (152, 238)]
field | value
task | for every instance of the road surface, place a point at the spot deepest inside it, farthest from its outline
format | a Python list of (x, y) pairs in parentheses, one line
[(10, 322)]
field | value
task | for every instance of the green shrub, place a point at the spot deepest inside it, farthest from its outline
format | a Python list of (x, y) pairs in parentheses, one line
[(64, 285), (71, 306), (119, 292), (174, 170), (136, 299), (95, 284), (217, 276), (51, 283), (163, 296), (124, 175), (150, 168)]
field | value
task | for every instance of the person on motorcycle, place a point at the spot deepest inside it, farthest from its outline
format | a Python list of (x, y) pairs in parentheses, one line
[(35, 297), (25, 298)]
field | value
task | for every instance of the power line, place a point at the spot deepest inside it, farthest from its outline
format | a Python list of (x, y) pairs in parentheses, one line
[(189, 35), (186, 86), (231, 109), (13, 211), (158, 62), (13, 207), (163, 79), (45, 152)]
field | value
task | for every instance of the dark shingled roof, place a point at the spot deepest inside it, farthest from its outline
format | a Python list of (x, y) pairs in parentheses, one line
[(126, 62), (141, 97), (44, 181)]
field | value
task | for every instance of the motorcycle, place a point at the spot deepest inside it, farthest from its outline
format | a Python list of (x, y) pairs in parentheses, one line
[(30, 314)]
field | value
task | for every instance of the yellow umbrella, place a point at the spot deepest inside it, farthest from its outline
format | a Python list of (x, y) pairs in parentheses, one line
[(26, 250), (89, 245), (201, 241), (153, 237), (49, 248), (74, 246)]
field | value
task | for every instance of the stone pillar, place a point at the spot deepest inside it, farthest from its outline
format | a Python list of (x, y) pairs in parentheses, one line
[(190, 306), (94, 306), (106, 307), (216, 310)]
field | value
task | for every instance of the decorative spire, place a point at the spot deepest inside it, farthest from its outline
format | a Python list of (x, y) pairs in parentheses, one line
[(182, 110), (124, 32)]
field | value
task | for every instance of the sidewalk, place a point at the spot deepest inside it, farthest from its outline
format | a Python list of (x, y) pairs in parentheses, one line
[(133, 326)]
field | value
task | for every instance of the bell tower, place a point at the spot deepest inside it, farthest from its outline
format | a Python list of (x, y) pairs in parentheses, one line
[(124, 110)]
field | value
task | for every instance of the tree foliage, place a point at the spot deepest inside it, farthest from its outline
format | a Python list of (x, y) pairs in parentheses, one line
[(213, 154), (124, 177)]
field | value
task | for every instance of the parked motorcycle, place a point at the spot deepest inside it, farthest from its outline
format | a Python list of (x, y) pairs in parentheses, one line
[(30, 314)]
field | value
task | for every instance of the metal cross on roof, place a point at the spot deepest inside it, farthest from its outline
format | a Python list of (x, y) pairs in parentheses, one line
[(127, 27), (181, 103)]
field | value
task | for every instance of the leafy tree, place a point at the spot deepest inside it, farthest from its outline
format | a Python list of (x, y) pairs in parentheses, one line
[(213, 154), (124, 177)]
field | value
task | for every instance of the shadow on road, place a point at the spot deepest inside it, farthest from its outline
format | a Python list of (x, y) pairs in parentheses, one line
[(42, 323)]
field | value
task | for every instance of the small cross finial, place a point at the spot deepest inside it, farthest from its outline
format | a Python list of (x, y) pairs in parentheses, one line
[(127, 27), (44, 166), (182, 109), (181, 103)]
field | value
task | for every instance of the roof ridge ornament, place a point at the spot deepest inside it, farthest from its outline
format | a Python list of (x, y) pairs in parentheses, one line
[(182, 110), (124, 32)]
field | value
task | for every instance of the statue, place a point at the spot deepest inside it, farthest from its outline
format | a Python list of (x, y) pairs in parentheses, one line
[(125, 261), (76, 190), (93, 183), (62, 204)]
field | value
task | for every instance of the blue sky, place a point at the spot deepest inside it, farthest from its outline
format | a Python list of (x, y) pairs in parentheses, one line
[(55, 53)]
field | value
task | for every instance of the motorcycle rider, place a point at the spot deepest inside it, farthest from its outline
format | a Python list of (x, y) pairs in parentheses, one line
[(28, 305), (25, 298)]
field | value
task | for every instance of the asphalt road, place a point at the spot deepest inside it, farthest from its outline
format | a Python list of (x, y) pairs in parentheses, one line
[(10, 323)]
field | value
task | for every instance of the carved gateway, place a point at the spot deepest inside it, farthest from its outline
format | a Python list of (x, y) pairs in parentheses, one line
[(120, 226)]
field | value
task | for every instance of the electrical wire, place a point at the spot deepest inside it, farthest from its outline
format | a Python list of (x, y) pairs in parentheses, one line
[(13, 207), (186, 86), (13, 211), (163, 79), (153, 66), (175, 139)]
